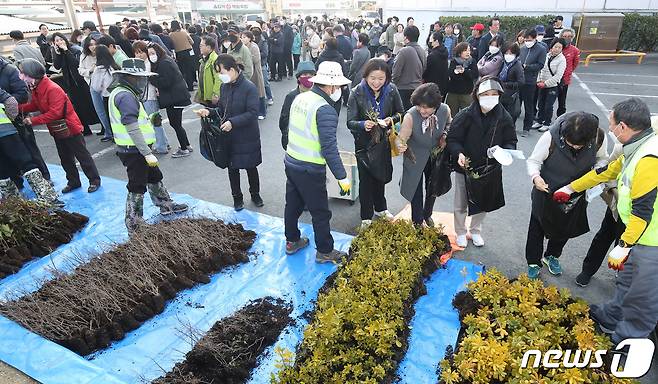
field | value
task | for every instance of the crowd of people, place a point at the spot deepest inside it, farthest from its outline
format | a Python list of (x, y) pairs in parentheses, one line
[(448, 108)]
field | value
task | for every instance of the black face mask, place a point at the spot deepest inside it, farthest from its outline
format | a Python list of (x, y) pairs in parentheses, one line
[(233, 39)]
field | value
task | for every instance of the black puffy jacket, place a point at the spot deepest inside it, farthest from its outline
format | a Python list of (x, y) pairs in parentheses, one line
[(172, 88)]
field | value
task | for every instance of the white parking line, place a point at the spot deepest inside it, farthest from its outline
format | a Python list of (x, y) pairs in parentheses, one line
[(104, 151), (624, 94), (614, 74), (591, 95), (632, 84)]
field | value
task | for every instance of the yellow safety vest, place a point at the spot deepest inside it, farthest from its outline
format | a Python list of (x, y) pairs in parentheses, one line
[(303, 137), (3, 116), (624, 182), (120, 132)]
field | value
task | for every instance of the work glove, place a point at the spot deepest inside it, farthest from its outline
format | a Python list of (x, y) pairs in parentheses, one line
[(345, 186), (156, 119), (617, 257), (563, 194), (151, 160)]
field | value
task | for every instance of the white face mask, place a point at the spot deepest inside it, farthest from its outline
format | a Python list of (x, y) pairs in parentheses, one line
[(530, 44), (456, 31), (493, 50), (227, 44), (224, 78), (614, 138), (510, 57), (153, 58), (336, 95), (488, 102)]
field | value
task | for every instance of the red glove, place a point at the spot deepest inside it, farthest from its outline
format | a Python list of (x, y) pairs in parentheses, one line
[(563, 194)]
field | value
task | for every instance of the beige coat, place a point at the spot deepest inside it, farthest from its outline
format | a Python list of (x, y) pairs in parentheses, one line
[(257, 77)]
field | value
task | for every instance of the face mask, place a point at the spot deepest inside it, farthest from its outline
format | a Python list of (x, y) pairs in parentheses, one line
[(305, 81), (530, 44), (233, 39), (509, 58), (488, 102), (153, 58), (336, 95), (456, 31), (493, 50), (224, 78), (227, 44), (614, 138)]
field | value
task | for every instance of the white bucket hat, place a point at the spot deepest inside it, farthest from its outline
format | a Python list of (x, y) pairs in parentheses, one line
[(330, 73)]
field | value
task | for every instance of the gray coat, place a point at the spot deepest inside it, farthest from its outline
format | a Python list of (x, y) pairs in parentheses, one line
[(421, 145), (359, 60)]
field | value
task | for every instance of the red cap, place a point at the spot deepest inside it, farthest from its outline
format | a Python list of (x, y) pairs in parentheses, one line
[(478, 27)]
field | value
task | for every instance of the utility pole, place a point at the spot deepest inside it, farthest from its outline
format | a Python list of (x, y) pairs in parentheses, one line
[(98, 16), (69, 12)]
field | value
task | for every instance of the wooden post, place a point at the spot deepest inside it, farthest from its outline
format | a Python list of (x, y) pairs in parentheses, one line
[(98, 16)]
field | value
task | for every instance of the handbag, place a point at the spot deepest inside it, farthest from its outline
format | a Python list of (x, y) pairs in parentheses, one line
[(214, 144), (58, 128), (565, 220), (440, 182)]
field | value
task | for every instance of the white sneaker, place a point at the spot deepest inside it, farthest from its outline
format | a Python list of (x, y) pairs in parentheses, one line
[(261, 117), (462, 242), (384, 215), (478, 241), (270, 102), (537, 125), (543, 128), (365, 224)]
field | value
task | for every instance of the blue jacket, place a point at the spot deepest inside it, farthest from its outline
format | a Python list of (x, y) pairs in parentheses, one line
[(297, 44), (327, 120), (10, 82), (533, 60), (344, 47)]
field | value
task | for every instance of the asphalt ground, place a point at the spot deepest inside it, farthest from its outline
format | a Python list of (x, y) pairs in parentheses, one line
[(594, 89)]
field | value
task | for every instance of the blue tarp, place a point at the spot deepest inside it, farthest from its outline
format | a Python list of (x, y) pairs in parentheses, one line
[(160, 342)]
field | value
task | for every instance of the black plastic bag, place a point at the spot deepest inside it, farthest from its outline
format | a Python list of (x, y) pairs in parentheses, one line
[(440, 182), (484, 187), (214, 144), (565, 220), (377, 158)]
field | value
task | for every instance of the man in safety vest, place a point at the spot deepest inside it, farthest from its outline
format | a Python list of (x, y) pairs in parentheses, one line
[(311, 147), (633, 311), (134, 135)]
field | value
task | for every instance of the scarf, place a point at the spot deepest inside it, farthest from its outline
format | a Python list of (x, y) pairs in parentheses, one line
[(462, 62), (505, 71), (378, 107)]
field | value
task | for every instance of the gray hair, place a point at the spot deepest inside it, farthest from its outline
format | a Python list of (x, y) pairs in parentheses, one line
[(565, 30), (339, 29)]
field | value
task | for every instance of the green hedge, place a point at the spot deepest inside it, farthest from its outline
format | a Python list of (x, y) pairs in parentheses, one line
[(510, 25), (639, 33)]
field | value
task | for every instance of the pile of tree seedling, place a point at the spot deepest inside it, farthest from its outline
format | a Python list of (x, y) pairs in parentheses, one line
[(360, 329), (504, 319), (116, 291), (28, 230), (229, 351)]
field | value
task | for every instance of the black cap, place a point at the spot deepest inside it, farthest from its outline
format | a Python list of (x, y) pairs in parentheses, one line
[(88, 25)]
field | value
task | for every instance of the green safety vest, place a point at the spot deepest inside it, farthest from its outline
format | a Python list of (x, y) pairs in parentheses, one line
[(120, 132), (303, 137), (3, 116), (624, 182)]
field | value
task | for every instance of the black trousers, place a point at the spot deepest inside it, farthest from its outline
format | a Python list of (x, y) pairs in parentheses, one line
[(295, 58), (405, 94), (277, 66), (187, 67), (139, 172), (529, 104), (534, 246), (421, 210), (69, 150), (373, 51), (234, 179), (562, 90), (26, 133), (14, 156), (175, 116), (287, 60), (608, 234), (371, 193), (308, 189)]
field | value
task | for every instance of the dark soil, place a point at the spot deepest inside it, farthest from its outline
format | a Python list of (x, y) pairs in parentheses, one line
[(35, 232), (117, 291), (229, 351)]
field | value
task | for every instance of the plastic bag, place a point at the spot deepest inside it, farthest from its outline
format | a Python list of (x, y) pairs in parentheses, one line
[(214, 144)]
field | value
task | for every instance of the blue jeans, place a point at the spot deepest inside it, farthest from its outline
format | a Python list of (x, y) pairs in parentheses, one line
[(161, 141), (97, 101), (263, 107), (266, 81)]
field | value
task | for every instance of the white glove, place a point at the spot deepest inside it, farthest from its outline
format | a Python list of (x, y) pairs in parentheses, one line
[(151, 160), (617, 257), (490, 151)]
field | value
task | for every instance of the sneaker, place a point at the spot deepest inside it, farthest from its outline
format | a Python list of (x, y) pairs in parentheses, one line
[(429, 222), (159, 152), (533, 271), (334, 256), (293, 247), (582, 280), (257, 200), (270, 102), (537, 125), (543, 128), (189, 148), (604, 329), (173, 208), (553, 265), (462, 242), (70, 188), (238, 204), (180, 153), (261, 117), (477, 239), (524, 133), (365, 224), (386, 215), (106, 139)]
